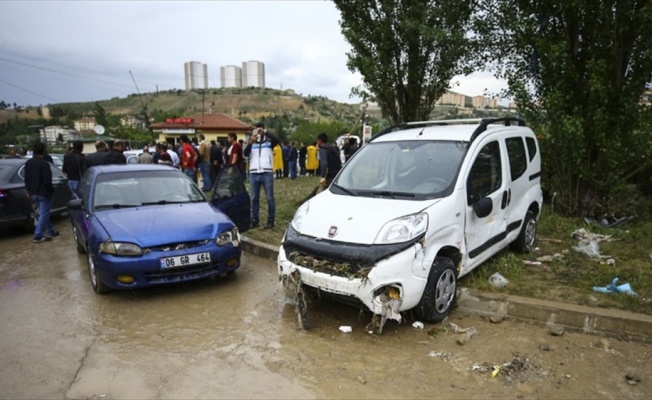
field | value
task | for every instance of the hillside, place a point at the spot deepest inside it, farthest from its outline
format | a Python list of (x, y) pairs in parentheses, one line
[(248, 105)]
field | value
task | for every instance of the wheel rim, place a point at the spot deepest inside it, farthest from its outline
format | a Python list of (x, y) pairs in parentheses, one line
[(530, 232), (91, 270), (445, 293)]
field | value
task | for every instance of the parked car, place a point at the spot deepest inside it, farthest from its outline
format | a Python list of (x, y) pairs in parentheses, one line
[(15, 206), (416, 208), (144, 224), (57, 159)]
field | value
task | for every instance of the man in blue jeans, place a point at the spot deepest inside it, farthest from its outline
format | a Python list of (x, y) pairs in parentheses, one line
[(259, 151), (38, 182)]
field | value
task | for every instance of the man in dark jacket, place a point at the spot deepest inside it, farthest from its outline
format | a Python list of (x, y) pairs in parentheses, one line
[(292, 161), (74, 165), (38, 182), (329, 160), (100, 154), (303, 151), (115, 156)]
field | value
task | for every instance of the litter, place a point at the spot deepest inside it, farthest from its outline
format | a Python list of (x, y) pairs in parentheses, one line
[(529, 262), (468, 331), (418, 325), (346, 329), (497, 280), (590, 247), (613, 287), (495, 371), (610, 222)]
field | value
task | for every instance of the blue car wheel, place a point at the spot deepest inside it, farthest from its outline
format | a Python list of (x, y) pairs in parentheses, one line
[(98, 286)]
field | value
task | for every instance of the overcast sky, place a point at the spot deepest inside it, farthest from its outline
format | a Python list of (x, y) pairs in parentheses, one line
[(65, 51)]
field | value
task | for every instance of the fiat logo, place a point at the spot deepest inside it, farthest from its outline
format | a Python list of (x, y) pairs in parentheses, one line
[(332, 231)]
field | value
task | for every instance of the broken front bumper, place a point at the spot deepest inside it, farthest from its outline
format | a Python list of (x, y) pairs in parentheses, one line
[(385, 288)]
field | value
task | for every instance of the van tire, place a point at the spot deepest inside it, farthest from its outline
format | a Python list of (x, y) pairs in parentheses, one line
[(524, 243), (439, 294)]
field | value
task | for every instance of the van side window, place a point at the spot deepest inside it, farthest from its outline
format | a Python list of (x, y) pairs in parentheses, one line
[(486, 173), (531, 147), (516, 154)]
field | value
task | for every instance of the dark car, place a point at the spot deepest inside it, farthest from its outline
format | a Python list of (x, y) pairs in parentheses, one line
[(15, 207), (146, 224)]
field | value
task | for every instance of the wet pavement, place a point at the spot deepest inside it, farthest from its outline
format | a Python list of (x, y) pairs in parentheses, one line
[(237, 337)]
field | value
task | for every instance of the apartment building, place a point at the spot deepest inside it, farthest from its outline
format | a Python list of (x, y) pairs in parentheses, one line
[(196, 75), (253, 74), (85, 124), (230, 76), (50, 134)]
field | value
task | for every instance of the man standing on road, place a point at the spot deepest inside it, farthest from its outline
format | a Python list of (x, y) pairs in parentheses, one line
[(205, 163), (259, 151), (74, 165), (115, 156), (97, 158), (235, 153), (145, 157), (38, 182), (330, 162)]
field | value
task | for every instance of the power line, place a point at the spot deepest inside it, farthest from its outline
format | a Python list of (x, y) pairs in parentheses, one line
[(29, 91)]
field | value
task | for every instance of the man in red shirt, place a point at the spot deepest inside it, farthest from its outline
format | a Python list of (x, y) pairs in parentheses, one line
[(187, 157), (235, 153)]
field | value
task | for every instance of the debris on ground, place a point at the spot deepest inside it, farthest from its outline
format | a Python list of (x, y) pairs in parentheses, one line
[(418, 325), (545, 347), (518, 370), (551, 258), (613, 287), (497, 280), (469, 332), (346, 329), (496, 318), (362, 380), (632, 379), (610, 222), (588, 243), (556, 330)]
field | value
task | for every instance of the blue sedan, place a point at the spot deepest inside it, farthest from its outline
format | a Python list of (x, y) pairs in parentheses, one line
[(143, 225)]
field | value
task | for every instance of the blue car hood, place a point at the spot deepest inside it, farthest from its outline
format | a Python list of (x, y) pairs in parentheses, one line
[(164, 224)]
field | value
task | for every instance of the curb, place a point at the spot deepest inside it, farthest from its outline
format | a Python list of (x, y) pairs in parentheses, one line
[(611, 323)]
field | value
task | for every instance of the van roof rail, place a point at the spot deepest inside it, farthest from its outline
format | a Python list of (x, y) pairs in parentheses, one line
[(484, 122), (488, 121)]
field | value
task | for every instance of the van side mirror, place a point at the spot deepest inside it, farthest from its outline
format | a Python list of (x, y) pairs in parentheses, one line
[(76, 204), (483, 207)]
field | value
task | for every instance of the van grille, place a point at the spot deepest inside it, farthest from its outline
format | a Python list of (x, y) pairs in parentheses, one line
[(329, 266)]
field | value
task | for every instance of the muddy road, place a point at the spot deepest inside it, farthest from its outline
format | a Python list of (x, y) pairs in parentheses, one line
[(236, 337)]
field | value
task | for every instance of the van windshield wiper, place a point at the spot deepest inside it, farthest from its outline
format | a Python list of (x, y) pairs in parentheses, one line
[(386, 193), (347, 191)]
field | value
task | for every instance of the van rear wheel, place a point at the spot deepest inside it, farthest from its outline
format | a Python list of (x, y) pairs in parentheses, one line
[(525, 240), (439, 295)]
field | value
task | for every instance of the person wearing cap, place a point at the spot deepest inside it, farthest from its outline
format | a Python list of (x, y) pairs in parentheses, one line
[(261, 173)]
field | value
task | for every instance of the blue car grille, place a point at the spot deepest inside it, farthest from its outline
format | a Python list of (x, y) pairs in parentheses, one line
[(182, 274), (177, 246)]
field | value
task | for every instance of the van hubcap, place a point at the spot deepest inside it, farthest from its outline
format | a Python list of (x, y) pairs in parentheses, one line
[(445, 291)]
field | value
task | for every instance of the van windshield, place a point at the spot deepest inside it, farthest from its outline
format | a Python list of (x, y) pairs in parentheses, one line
[(407, 170)]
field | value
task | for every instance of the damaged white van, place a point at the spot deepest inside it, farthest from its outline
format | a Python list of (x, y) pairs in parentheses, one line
[(419, 206)]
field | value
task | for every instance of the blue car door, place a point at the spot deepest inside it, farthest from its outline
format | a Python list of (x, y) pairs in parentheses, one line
[(231, 197)]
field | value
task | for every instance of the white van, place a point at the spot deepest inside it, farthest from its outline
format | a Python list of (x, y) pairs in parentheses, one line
[(418, 207)]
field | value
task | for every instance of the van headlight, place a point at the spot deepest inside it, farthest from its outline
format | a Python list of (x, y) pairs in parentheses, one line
[(402, 229), (299, 215), (230, 236), (120, 248)]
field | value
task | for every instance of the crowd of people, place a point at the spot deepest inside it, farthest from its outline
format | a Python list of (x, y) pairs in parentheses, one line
[(266, 157)]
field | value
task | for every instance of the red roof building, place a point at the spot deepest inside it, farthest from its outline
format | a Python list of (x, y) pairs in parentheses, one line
[(214, 126)]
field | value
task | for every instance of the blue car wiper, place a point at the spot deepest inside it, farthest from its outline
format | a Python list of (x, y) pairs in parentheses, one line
[(115, 206), (163, 202)]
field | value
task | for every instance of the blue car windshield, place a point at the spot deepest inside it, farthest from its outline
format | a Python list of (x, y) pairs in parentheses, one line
[(142, 188)]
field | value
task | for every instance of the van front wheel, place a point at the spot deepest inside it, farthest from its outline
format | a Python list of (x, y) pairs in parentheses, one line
[(439, 295)]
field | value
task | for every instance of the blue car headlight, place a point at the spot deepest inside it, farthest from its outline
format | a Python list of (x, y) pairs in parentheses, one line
[(231, 236), (120, 248), (402, 229)]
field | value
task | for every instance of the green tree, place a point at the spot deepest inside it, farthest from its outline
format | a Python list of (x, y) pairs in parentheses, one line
[(406, 51), (577, 70), (99, 113)]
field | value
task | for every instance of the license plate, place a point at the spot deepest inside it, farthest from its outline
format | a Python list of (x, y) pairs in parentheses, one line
[(182, 261)]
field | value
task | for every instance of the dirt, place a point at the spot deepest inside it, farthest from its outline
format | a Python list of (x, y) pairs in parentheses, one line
[(239, 337)]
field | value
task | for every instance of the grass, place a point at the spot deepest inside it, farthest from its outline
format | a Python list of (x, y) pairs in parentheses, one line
[(567, 279)]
